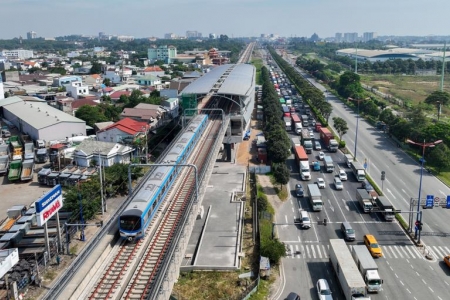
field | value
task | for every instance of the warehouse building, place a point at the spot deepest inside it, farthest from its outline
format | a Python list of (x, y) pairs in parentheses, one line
[(40, 121)]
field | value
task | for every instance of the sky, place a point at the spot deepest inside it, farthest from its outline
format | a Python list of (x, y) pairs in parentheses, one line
[(235, 18)]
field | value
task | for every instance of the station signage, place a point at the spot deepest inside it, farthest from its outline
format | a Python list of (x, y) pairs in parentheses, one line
[(48, 205)]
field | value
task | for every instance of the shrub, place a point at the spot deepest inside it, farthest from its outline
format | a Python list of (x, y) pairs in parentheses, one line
[(341, 144)]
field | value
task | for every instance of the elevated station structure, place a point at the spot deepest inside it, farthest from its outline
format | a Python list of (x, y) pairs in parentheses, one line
[(230, 87)]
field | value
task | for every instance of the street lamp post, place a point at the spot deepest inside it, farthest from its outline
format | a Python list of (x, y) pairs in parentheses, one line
[(101, 182), (422, 161), (357, 122)]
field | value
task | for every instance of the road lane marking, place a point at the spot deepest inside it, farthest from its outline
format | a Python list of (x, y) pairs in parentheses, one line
[(408, 291), (431, 289), (404, 192), (402, 282), (389, 191)]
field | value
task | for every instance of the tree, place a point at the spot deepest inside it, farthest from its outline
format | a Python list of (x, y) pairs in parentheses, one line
[(90, 114), (273, 249), (107, 82), (341, 126), (438, 96), (350, 86), (96, 68), (439, 157), (281, 173)]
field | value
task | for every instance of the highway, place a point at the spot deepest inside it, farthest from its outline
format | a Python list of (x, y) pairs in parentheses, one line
[(406, 273)]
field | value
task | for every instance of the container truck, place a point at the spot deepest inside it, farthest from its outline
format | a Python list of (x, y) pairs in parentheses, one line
[(295, 141), (328, 164), (386, 208), (16, 147), (287, 123), (365, 200), (328, 139), (367, 267), (358, 171), (296, 124), (348, 159), (14, 170), (27, 170), (303, 163), (28, 151), (315, 197), (351, 281)]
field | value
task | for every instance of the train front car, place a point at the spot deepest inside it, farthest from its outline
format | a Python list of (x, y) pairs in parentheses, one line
[(130, 224)]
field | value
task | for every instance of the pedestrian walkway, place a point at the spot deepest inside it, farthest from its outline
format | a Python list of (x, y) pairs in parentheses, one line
[(298, 250)]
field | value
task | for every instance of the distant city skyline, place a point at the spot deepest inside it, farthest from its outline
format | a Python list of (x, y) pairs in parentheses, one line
[(235, 18)]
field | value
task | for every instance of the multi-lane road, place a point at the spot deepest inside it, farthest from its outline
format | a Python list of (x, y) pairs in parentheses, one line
[(406, 273)]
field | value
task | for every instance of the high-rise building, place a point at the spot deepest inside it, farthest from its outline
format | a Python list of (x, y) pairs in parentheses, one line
[(163, 53), (31, 35), (170, 36), (338, 37), (17, 54), (193, 34), (212, 36), (368, 36), (350, 37)]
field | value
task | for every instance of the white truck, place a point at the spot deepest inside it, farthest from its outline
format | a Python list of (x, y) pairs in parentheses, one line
[(345, 268), (328, 163), (287, 123), (348, 159), (367, 267), (358, 171), (295, 141), (29, 151), (315, 197)]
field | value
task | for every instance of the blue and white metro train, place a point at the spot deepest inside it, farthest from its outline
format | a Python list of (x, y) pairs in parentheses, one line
[(137, 216)]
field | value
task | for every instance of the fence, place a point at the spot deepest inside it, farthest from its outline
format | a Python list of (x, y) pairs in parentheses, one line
[(259, 169)]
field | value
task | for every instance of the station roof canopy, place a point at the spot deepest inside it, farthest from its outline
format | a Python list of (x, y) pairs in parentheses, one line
[(230, 79)]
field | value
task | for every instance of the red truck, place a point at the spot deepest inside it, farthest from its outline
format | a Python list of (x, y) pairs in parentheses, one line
[(328, 138)]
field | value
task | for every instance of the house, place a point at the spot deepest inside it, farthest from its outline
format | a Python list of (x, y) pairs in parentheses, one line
[(115, 75), (30, 64), (102, 125), (115, 96), (155, 115), (90, 152), (154, 71), (77, 89), (64, 103), (91, 101), (148, 80), (93, 80), (172, 105), (65, 80), (180, 84), (124, 129)]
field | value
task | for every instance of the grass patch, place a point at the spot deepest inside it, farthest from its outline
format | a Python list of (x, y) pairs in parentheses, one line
[(258, 63), (50, 275), (263, 290), (73, 250), (282, 193)]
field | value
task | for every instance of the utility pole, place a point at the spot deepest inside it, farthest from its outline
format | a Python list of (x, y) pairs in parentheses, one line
[(101, 182), (443, 71)]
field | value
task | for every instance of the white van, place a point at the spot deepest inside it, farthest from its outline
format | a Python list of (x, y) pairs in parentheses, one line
[(305, 221)]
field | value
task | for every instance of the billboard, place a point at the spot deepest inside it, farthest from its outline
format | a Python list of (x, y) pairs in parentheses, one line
[(48, 205)]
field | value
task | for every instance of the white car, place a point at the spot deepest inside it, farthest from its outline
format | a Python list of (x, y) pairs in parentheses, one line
[(311, 134), (342, 175), (321, 155), (317, 145), (320, 183), (338, 183)]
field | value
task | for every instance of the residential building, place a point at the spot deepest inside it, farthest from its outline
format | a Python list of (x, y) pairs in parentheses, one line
[(350, 37), (17, 54), (168, 93), (93, 80), (76, 89), (101, 153), (153, 70), (193, 34), (163, 53), (115, 96), (126, 128), (338, 37), (149, 113), (172, 105), (148, 80), (66, 80), (368, 36), (31, 35), (115, 75)]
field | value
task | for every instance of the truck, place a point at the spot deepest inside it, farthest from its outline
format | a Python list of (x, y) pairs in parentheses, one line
[(16, 147), (296, 124), (348, 159), (27, 170), (365, 200), (367, 267), (306, 141), (287, 123), (303, 162), (4, 164), (315, 197), (41, 155), (351, 281), (328, 164), (358, 171), (328, 139), (14, 170), (305, 121), (28, 151), (386, 208), (295, 141)]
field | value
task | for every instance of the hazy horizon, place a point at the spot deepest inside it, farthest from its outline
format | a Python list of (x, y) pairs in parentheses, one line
[(235, 18)]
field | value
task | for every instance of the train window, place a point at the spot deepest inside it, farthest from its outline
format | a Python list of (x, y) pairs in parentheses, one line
[(154, 205), (130, 223), (150, 212)]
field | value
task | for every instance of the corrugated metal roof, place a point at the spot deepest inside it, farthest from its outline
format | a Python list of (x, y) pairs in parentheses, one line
[(237, 82), (38, 114)]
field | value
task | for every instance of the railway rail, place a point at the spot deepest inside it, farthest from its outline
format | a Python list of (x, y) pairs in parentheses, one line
[(132, 278)]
